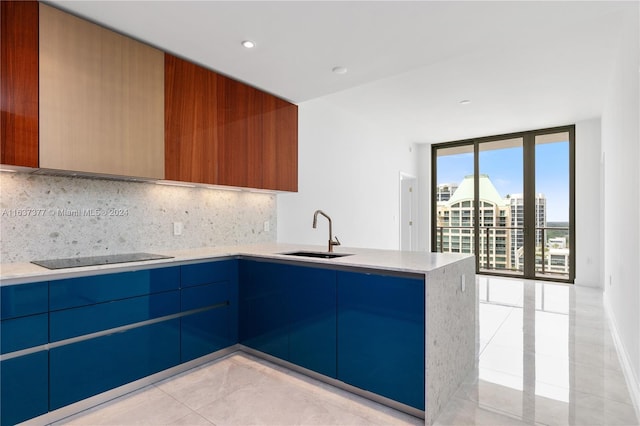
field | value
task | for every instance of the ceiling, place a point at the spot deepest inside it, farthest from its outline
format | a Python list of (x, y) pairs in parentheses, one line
[(523, 65)]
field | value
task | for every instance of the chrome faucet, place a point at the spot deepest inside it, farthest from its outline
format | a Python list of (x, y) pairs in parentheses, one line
[(315, 225)]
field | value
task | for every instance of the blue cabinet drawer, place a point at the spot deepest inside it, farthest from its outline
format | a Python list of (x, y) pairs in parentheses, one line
[(74, 292), (23, 299), (22, 333), (87, 368), (210, 272), (381, 335), (205, 295), (24, 388), (74, 322)]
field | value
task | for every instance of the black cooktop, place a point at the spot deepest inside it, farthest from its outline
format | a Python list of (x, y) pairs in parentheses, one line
[(75, 262)]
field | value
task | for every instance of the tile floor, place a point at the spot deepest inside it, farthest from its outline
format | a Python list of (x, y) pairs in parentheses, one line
[(241, 390), (545, 357)]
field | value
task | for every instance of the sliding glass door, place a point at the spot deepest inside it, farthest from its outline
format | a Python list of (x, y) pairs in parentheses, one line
[(508, 200), (500, 211), (453, 218), (554, 186)]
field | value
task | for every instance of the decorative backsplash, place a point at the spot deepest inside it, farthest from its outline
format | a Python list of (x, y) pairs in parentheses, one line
[(47, 217)]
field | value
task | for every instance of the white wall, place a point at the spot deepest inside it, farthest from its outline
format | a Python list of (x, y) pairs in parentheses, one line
[(621, 149), (588, 204), (349, 167)]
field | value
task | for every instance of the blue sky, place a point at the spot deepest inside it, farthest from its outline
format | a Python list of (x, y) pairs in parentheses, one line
[(504, 167)]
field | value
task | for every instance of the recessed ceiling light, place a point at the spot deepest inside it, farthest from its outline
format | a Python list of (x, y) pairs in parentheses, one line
[(248, 44), (465, 102), (339, 70)]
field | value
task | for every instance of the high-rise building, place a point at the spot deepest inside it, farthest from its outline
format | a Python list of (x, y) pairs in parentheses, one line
[(501, 227), (444, 191), (516, 201), (456, 222)]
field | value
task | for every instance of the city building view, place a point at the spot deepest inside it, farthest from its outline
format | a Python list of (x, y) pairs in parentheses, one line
[(501, 228)]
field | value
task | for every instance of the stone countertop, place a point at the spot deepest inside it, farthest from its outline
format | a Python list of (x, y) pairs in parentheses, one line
[(390, 260)]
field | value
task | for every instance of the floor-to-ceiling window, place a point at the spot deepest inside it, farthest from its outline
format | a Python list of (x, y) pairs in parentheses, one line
[(509, 200)]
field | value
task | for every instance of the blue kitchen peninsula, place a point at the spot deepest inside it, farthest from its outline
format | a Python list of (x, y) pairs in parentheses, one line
[(396, 327)]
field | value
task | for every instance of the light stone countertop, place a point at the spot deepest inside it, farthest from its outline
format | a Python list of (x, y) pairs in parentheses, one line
[(389, 260)]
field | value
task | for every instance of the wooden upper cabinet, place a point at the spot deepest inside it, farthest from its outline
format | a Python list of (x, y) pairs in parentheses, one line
[(221, 131), (19, 83), (101, 99), (79, 97), (265, 135), (271, 126), (191, 122), (234, 121), (286, 147)]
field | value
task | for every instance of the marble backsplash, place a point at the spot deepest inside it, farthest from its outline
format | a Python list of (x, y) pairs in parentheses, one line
[(47, 217)]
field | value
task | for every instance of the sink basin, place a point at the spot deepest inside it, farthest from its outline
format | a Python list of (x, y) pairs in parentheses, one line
[(317, 254)]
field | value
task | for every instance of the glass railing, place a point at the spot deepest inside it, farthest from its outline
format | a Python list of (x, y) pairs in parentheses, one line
[(501, 248), (552, 257)]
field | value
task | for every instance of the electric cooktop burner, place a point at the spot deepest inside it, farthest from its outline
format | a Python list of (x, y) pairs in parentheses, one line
[(75, 262)]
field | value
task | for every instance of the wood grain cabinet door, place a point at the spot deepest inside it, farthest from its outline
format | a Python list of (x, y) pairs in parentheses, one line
[(101, 99), (284, 148), (235, 154), (221, 131), (19, 83), (191, 122), (258, 139)]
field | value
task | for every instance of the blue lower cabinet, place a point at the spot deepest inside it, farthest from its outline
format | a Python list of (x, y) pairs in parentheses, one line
[(24, 388), (381, 335), (74, 292), (311, 300), (74, 322), (364, 329), (23, 333), (289, 311), (212, 286), (264, 320), (208, 272), (87, 368), (204, 333), (24, 380), (23, 299), (216, 328)]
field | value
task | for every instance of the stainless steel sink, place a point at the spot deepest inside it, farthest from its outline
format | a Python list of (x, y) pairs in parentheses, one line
[(317, 254)]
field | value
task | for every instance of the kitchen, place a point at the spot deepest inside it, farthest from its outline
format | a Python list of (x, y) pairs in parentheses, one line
[(346, 167)]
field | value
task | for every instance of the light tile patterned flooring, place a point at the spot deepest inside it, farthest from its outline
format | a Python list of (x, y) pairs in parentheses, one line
[(545, 357)]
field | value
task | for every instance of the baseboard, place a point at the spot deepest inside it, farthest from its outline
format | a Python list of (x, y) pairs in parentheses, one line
[(623, 356)]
